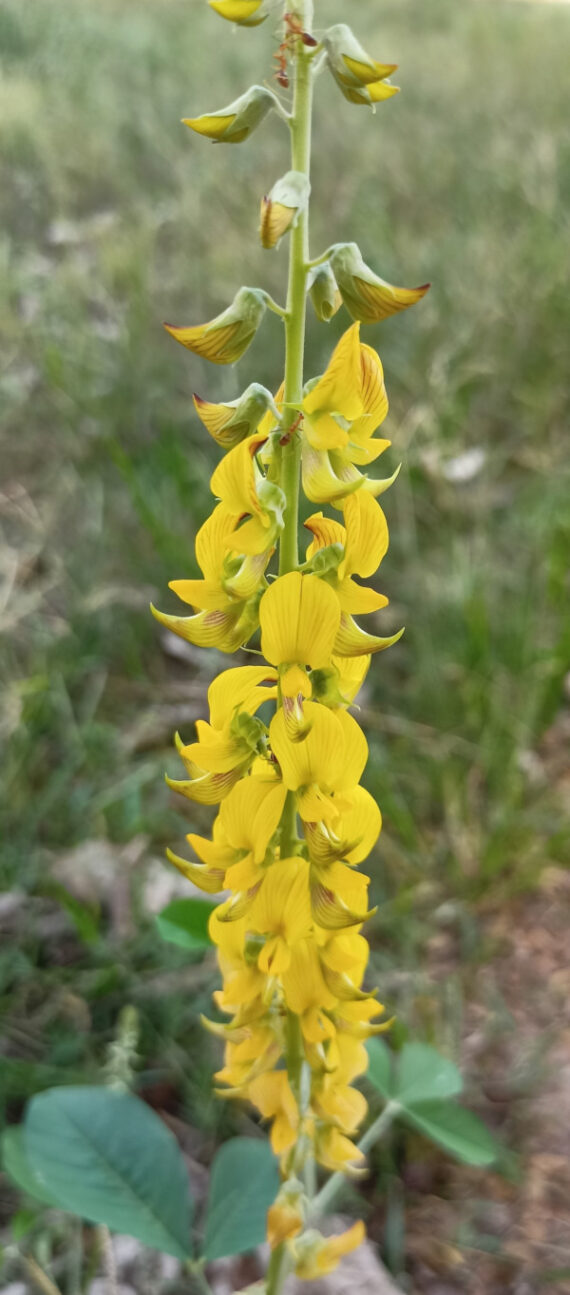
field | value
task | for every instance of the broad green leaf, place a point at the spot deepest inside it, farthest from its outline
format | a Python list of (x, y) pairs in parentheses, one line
[(458, 1131), (423, 1075), (185, 922), (16, 1164), (107, 1157), (379, 1071), (243, 1184)]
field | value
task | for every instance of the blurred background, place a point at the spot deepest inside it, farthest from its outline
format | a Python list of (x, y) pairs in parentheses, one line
[(114, 217)]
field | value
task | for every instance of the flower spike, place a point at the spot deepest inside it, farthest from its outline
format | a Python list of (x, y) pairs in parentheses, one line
[(276, 752)]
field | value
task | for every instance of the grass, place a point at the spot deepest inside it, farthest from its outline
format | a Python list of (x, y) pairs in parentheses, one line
[(115, 218)]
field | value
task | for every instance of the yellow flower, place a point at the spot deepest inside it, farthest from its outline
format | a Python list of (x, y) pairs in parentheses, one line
[(316, 1256), (235, 123), (273, 1096), (230, 423), (330, 760), (353, 69), (285, 1217), (227, 746), (247, 13), (335, 400), (307, 993), (224, 339), (228, 595), (366, 296), (299, 617), (249, 818), (353, 834), (281, 911), (364, 540), (336, 1152), (247, 494)]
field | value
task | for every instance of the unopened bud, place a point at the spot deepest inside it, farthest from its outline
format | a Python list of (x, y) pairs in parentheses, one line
[(246, 13), (224, 339), (230, 423), (361, 78), (366, 296), (280, 209), (233, 124), (324, 291)]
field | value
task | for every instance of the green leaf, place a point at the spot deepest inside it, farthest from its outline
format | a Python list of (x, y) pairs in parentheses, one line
[(458, 1131), (107, 1157), (243, 1184), (423, 1075), (16, 1164), (379, 1071), (185, 922)]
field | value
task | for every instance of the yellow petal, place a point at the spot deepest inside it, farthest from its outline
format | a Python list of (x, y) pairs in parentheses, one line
[(240, 688), (217, 344), (367, 72), (379, 300), (244, 12), (326, 531), (208, 879), (282, 908), (200, 593), (216, 418), (276, 219), (351, 640), (373, 393), (251, 814), (234, 479), (361, 822), (339, 389), (366, 534), (319, 759), (299, 617), (213, 540), (321, 483)]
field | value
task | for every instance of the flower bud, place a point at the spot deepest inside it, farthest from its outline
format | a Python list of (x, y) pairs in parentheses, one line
[(247, 13), (233, 124), (224, 339), (361, 78), (280, 209), (230, 423), (365, 295), (324, 292)]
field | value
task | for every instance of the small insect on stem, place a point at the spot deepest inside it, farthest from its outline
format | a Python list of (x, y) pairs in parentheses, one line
[(284, 440), (293, 31)]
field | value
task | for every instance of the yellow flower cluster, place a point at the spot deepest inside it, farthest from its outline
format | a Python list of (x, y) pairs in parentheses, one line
[(293, 823)]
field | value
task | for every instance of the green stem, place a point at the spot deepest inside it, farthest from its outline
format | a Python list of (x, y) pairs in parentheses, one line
[(327, 1194), (196, 1270), (280, 1264), (301, 122)]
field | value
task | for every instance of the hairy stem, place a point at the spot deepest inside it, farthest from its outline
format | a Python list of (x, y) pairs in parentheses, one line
[(301, 121), (300, 124)]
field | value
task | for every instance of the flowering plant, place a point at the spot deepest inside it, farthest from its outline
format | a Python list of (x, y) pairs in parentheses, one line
[(293, 823), (280, 756)]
